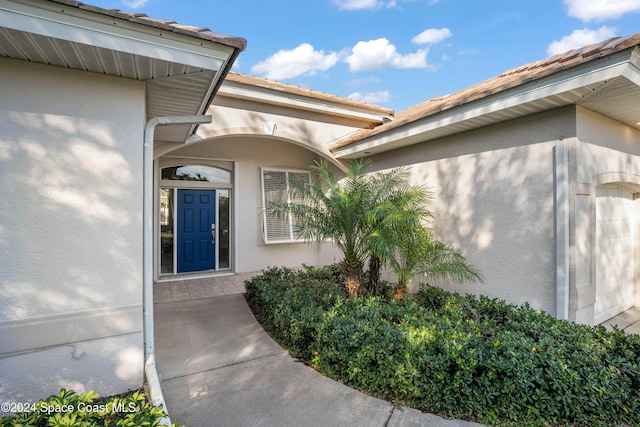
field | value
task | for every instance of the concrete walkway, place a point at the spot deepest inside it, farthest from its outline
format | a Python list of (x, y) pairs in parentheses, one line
[(628, 321), (218, 367)]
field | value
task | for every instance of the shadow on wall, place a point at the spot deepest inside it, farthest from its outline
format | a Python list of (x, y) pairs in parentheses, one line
[(296, 142), (107, 366), (70, 218), (497, 207)]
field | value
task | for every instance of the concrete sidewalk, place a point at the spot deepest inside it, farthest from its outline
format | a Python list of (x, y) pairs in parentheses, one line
[(218, 367)]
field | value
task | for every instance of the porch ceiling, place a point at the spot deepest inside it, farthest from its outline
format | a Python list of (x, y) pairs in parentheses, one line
[(182, 66)]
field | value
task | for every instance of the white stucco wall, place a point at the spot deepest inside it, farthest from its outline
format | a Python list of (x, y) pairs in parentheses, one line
[(70, 216), (494, 200), (606, 152), (107, 366), (255, 134), (232, 116), (250, 154)]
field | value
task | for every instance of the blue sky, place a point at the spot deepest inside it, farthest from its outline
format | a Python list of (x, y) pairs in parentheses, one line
[(395, 53)]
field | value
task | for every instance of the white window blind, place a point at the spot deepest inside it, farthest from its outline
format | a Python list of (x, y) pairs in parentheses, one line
[(275, 186)]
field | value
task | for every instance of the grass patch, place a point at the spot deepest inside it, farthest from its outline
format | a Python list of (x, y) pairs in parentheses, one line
[(459, 356)]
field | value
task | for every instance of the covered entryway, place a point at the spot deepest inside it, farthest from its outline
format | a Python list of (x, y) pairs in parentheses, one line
[(615, 246), (195, 217)]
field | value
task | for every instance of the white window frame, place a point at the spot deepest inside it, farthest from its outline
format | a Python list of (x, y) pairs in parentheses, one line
[(292, 238)]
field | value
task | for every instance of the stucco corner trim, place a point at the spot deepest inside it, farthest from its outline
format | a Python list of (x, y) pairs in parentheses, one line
[(561, 181)]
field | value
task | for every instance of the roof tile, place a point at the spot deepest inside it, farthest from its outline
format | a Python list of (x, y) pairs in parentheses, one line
[(302, 91), (168, 25), (507, 80)]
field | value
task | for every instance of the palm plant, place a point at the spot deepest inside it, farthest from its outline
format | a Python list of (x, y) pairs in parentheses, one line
[(334, 210), (399, 205), (378, 216), (413, 249)]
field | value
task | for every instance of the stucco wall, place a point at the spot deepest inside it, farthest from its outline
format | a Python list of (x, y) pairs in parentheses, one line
[(70, 216), (251, 153), (240, 117), (494, 199), (606, 152), (108, 366), (233, 115)]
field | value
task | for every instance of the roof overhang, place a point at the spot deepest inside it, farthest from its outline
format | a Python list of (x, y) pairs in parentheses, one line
[(609, 86), (182, 66), (262, 91)]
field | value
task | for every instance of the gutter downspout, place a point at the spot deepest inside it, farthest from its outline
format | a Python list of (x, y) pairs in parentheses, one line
[(151, 374)]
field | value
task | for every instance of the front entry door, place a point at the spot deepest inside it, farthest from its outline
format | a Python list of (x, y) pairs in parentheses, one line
[(196, 230)]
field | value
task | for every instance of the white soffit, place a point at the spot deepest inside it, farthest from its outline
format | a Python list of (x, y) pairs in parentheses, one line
[(180, 71), (610, 87), (70, 24)]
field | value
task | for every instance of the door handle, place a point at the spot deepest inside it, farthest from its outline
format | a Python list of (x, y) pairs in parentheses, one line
[(213, 234)]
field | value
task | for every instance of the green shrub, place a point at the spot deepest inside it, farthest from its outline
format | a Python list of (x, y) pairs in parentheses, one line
[(461, 356), (69, 409), (290, 303)]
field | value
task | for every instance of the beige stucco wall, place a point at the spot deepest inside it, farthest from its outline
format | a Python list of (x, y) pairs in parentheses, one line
[(70, 216), (606, 152), (257, 133), (313, 129), (250, 154), (240, 117), (494, 199)]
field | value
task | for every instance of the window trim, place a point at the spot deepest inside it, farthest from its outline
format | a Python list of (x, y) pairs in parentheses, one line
[(265, 237)]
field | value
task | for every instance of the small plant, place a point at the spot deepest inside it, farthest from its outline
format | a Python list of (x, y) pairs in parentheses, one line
[(69, 409)]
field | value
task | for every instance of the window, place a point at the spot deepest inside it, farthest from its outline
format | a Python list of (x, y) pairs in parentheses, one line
[(196, 173), (275, 186)]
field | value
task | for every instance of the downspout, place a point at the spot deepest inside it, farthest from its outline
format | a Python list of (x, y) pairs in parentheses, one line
[(151, 374)]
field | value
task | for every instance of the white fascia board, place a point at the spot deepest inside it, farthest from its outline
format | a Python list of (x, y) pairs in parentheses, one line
[(563, 82), (264, 96), (89, 28), (632, 73)]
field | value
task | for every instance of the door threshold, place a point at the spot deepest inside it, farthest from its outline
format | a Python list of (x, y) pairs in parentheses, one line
[(195, 275)]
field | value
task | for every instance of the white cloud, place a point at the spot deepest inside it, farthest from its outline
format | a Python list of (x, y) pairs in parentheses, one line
[(357, 4), (303, 60), (363, 81), (580, 38), (376, 54), (134, 4), (365, 4), (378, 97), (432, 36), (600, 10)]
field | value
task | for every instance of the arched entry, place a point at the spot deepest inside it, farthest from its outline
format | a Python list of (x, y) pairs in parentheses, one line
[(195, 216)]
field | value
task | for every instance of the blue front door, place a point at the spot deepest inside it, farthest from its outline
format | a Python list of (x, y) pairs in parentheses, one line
[(196, 230)]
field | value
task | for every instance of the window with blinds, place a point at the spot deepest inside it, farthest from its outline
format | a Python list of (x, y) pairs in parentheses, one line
[(275, 186)]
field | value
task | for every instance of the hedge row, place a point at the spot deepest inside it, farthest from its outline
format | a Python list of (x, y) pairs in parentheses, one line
[(461, 356)]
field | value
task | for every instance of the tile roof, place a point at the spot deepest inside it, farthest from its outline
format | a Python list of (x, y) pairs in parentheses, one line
[(306, 92), (507, 80), (140, 18)]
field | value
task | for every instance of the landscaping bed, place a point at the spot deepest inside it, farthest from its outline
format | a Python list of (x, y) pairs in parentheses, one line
[(459, 356)]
